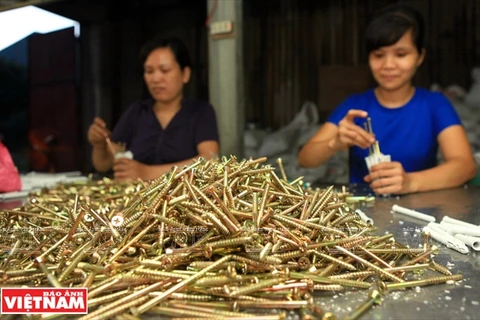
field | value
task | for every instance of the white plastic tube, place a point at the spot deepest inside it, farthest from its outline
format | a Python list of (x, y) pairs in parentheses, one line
[(441, 227), (447, 239), (13, 195), (364, 217), (413, 213), (447, 219), (473, 242), (456, 228), (126, 154)]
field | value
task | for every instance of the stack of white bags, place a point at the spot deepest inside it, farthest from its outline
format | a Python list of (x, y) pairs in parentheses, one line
[(467, 105), (286, 142)]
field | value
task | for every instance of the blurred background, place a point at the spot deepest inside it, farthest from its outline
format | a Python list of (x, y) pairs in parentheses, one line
[(62, 62)]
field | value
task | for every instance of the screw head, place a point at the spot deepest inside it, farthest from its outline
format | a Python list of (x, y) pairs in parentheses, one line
[(235, 306), (382, 287), (228, 290), (207, 253), (303, 263), (329, 316), (376, 296), (426, 235), (117, 220)]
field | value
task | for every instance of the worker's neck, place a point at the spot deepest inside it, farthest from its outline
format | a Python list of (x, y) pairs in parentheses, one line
[(394, 98), (172, 105)]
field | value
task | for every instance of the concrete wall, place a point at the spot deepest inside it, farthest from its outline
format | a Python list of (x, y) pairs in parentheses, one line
[(226, 78)]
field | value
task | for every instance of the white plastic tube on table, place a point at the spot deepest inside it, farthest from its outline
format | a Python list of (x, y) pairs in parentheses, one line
[(364, 217), (447, 219), (438, 226), (13, 195), (413, 213), (473, 242), (456, 228), (447, 239)]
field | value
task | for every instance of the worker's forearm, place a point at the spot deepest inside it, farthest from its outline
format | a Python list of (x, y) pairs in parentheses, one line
[(450, 174), (316, 153), (102, 160)]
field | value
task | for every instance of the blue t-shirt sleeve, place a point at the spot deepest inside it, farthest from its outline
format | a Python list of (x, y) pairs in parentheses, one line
[(206, 125), (123, 130), (444, 113)]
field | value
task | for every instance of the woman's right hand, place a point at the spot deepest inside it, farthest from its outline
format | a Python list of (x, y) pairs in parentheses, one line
[(98, 132), (349, 134)]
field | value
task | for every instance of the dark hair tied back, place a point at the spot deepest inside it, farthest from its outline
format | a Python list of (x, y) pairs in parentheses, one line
[(390, 23), (177, 46)]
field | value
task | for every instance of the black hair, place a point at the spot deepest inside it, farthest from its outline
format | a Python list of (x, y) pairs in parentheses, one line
[(177, 46), (389, 24)]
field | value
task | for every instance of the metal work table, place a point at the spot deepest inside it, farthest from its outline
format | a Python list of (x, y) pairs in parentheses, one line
[(442, 301)]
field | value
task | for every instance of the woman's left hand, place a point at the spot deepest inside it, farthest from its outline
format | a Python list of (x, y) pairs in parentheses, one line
[(127, 169), (388, 178)]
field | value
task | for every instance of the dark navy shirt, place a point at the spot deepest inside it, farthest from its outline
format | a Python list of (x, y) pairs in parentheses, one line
[(144, 136)]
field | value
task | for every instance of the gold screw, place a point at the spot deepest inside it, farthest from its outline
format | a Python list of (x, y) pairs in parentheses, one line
[(373, 298), (423, 282)]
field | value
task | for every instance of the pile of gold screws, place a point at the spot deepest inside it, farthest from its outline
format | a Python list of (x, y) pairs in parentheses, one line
[(218, 239)]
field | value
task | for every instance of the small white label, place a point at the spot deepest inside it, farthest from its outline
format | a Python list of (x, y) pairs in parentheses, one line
[(221, 27)]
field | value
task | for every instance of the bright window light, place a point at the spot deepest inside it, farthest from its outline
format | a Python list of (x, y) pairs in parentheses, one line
[(24, 21)]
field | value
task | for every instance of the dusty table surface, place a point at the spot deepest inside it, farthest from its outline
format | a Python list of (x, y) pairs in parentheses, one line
[(460, 300)]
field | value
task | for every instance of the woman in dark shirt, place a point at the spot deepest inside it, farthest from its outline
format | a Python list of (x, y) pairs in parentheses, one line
[(163, 131)]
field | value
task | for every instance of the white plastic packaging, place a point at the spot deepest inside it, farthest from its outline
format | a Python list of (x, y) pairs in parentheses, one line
[(374, 159)]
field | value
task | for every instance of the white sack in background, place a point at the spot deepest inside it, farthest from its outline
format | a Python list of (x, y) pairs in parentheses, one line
[(473, 96), (287, 141), (282, 140)]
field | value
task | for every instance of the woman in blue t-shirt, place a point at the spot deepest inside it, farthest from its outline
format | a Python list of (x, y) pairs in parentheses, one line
[(409, 123), (163, 131)]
